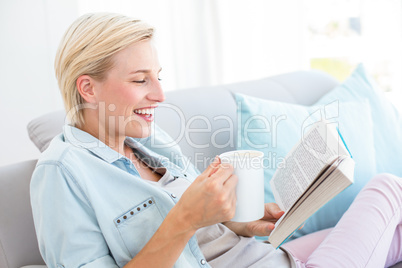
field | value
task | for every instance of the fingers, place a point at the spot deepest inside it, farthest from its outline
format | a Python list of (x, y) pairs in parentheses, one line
[(272, 211), (212, 168), (261, 228), (216, 163), (223, 172), (230, 185)]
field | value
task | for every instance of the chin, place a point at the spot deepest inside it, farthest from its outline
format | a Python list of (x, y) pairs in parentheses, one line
[(139, 133)]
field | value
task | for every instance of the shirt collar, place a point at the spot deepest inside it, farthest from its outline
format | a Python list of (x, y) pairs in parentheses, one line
[(80, 138), (145, 153)]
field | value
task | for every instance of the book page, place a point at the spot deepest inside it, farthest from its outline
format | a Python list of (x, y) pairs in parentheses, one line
[(318, 148), (334, 180), (325, 172)]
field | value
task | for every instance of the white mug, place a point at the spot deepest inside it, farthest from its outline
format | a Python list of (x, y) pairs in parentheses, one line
[(248, 167)]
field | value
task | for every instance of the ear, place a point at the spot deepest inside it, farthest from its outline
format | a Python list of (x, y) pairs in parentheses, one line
[(85, 85)]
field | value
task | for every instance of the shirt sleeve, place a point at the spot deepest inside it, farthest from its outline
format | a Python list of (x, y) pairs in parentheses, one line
[(66, 226)]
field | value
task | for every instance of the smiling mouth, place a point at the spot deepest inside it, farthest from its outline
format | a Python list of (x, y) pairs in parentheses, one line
[(147, 113)]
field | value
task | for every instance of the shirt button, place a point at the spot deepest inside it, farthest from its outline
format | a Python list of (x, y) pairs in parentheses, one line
[(203, 262), (173, 195)]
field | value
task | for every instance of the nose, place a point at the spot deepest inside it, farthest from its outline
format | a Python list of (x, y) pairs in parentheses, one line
[(156, 93)]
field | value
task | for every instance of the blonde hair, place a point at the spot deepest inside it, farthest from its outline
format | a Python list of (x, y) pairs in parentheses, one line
[(87, 48)]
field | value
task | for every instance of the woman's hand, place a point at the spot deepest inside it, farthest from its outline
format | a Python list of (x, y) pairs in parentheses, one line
[(210, 199), (262, 227)]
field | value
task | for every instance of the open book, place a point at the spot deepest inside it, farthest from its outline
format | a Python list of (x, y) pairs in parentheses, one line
[(317, 169)]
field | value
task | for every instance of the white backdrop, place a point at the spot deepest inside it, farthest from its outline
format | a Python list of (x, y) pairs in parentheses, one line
[(208, 42), (200, 43), (29, 33)]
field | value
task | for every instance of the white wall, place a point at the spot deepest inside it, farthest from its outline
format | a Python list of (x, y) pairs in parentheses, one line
[(210, 42), (29, 34), (200, 43)]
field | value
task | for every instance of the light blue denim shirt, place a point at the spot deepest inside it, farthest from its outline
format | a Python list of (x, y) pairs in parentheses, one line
[(92, 209)]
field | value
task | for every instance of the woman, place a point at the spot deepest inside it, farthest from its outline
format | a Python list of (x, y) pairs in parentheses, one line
[(101, 199)]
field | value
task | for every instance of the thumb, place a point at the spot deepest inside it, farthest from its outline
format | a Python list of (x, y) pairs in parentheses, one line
[(213, 167)]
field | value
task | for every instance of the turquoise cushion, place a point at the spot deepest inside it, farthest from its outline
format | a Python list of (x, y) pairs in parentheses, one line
[(387, 124), (275, 127), (387, 135)]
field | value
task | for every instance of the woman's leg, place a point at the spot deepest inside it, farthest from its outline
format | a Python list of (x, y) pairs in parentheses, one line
[(304, 246), (369, 233)]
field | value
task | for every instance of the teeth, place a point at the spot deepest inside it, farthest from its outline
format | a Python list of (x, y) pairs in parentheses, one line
[(144, 111)]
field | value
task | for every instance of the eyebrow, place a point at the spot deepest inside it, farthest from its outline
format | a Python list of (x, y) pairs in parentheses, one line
[(144, 71)]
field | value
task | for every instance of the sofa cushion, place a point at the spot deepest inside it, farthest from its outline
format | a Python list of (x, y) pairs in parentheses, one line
[(18, 244), (275, 127), (43, 129), (387, 128), (387, 121)]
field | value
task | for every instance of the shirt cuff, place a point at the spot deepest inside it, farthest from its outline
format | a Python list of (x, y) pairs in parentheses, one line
[(103, 262)]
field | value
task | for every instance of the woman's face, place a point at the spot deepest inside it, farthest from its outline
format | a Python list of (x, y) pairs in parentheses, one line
[(130, 92)]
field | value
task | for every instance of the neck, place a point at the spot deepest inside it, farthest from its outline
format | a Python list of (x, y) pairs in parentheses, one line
[(112, 139)]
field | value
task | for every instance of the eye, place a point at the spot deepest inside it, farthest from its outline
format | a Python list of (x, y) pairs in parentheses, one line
[(139, 82), (160, 79)]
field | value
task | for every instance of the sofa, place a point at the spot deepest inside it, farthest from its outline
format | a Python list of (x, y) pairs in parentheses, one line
[(192, 117)]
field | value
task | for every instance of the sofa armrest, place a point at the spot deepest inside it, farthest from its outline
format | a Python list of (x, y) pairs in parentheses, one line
[(18, 243)]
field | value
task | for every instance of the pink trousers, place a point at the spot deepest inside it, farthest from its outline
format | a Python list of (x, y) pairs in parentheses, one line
[(368, 235)]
